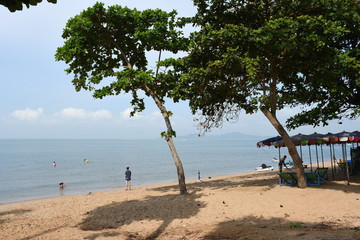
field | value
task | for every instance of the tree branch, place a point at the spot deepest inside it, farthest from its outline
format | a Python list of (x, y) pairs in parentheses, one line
[(157, 69), (126, 60)]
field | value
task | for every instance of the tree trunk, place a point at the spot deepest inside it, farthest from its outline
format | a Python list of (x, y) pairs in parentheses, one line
[(290, 145), (169, 140), (168, 137), (179, 166)]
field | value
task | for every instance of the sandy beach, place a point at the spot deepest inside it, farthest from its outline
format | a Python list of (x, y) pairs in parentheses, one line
[(246, 206)]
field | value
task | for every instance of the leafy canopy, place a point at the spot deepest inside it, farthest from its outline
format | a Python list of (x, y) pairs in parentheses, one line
[(14, 5), (106, 50), (266, 53)]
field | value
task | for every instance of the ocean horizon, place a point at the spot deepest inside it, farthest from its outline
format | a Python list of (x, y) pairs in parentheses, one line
[(27, 171)]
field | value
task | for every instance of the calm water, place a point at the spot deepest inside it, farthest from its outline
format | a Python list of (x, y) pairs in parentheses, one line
[(26, 170)]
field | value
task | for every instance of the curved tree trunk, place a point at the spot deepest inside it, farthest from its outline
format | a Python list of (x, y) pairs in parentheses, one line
[(179, 166), (169, 140), (290, 145), (168, 137)]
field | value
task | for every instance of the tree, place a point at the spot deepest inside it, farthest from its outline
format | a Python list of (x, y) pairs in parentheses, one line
[(335, 92), (266, 55), (106, 53), (14, 5)]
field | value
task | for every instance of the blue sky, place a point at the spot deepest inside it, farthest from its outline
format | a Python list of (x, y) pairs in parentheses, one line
[(37, 98)]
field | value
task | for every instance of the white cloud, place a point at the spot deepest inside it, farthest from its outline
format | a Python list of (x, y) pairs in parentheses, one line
[(27, 114), (79, 113), (101, 114), (71, 113)]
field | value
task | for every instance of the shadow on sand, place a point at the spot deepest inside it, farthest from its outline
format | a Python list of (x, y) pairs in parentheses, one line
[(159, 208), (268, 179), (278, 228), (15, 212), (12, 212), (161, 211)]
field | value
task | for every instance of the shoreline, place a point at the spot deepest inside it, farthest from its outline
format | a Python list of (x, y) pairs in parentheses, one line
[(241, 206), (190, 181), (175, 184)]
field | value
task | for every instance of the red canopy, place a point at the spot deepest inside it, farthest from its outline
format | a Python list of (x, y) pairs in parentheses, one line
[(313, 139)]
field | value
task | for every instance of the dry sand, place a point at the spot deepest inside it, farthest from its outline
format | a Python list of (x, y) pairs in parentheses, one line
[(247, 206)]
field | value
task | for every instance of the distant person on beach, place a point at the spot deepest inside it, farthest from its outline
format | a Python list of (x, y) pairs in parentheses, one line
[(128, 178), (199, 177), (282, 162), (61, 185), (54, 164)]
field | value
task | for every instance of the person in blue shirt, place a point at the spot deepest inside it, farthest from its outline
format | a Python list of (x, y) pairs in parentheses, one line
[(128, 178)]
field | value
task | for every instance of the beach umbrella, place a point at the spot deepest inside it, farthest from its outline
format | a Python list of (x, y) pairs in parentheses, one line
[(355, 136), (269, 142), (344, 137), (298, 140), (330, 138), (311, 139), (315, 138), (274, 141)]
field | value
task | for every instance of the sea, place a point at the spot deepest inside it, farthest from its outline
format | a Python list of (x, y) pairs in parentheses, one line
[(27, 171)]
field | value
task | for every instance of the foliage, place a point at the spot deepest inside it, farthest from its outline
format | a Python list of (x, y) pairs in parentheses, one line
[(112, 44), (107, 50), (332, 87), (14, 5), (267, 53), (170, 133)]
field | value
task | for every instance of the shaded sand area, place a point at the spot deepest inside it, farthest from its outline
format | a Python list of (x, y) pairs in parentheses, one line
[(247, 206)]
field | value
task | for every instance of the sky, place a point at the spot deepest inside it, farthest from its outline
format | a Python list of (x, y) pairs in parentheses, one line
[(38, 100)]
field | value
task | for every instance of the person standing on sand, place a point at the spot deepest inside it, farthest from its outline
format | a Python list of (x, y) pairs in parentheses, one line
[(128, 178), (281, 163)]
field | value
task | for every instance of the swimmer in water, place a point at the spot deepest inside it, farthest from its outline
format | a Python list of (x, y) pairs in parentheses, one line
[(86, 161), (54, 164)]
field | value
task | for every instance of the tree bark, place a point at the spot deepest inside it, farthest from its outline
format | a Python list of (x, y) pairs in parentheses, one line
[(178, 164), (290, 145), (169, 140)]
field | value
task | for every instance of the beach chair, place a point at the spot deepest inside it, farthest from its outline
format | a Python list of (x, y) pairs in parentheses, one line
[(287, 179), (342, 166), (323, 172), (313, 178)]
